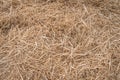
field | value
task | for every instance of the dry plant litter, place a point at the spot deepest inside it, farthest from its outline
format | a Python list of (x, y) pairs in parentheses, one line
[(59, 39)]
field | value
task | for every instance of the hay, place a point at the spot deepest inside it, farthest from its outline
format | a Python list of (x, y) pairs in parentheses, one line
[(59, 39)]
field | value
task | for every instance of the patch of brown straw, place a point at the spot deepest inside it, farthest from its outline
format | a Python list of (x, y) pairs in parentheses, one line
[(59, 39)]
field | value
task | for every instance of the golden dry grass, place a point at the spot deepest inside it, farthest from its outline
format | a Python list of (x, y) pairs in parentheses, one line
[(59, 39)]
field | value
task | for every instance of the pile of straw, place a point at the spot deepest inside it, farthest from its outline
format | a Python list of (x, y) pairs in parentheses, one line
[(59, 39)]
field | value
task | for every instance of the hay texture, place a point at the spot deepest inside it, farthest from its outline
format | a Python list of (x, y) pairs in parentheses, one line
[(59, 39)]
